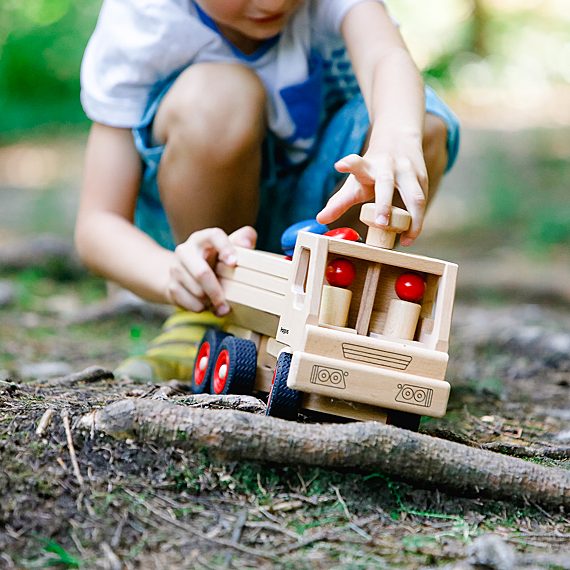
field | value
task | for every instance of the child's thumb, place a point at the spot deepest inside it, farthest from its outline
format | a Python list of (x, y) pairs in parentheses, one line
[(244, 237)]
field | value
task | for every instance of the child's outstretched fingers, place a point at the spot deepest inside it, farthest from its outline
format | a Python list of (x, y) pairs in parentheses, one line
[(385, 183), (193, 284), (358, 188)]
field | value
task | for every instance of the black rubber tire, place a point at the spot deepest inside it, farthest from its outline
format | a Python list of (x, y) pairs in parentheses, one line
[(241, 366), (404, 420), (283, 402), (212, 337)]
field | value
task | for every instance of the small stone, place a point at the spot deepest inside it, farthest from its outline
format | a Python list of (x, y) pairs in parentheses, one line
[(30, 320), (7, 293), (491, 552), (563, 435), (45, 370)]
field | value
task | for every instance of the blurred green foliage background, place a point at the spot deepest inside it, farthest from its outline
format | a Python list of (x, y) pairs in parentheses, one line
[(514, 49), (41, 45), (504, 65)]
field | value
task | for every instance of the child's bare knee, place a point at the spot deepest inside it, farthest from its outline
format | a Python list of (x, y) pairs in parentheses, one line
[(217, 108), (435, 150), (435, 135)]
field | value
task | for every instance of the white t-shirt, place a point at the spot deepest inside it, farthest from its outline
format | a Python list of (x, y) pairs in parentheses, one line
[(139, 44)]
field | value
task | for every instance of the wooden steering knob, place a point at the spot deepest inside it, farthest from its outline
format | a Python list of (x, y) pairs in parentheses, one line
[(385, 236)]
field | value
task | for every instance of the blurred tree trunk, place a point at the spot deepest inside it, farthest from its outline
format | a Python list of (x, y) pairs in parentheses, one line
[(479, 29)]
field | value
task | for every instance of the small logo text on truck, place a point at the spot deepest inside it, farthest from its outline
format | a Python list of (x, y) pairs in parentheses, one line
[(284, 331)]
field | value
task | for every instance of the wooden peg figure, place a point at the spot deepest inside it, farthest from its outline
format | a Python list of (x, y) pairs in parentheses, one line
[(336, 298), (403, 313)]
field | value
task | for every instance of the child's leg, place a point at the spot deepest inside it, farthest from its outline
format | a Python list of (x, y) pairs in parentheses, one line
[(212, 125)]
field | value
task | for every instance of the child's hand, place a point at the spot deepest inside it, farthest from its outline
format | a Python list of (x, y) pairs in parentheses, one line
[(376, 175), (193, 285)]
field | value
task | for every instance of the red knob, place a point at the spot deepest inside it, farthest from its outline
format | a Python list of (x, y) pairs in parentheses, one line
[(340, 272), (410, 287), (344, 233)]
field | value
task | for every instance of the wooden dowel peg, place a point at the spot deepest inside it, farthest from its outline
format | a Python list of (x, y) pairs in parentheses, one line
[(402, 319), (384, 237), (335, 303)]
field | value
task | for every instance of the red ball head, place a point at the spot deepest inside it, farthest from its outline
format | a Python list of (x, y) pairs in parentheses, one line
[(344, 233), (340, 272), (410, 287)]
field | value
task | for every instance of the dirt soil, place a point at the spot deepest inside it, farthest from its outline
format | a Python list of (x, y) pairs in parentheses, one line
[(144, 505)]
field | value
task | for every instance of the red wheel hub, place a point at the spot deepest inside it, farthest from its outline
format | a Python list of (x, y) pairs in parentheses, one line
[(221, 371), (202, 359)]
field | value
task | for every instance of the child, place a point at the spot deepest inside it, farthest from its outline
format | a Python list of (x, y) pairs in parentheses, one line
[(213, 116)]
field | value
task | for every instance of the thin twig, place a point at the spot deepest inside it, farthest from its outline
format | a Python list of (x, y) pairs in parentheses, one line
[(330, 536), (45, 421), (116, 540), (531, 451), (268, 515), (188, 528), (343, 503), (301, 544), (65, 417), (351, 523), (112, 558), (77, 543), (238, 529), (274, 527)]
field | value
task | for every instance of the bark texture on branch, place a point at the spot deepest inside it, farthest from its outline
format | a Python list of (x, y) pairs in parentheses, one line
[(367, 446), (213, 401)]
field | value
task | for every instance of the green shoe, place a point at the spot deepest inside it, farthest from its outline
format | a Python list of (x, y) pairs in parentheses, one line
[(171, 354)]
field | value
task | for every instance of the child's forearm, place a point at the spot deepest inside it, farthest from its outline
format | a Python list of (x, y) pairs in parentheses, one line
[(393, 91), (396, 105), (105, 238), (113, 248), (389, 80)]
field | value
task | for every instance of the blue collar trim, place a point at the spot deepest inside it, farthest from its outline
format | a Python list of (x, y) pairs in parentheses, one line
[(266, 46)]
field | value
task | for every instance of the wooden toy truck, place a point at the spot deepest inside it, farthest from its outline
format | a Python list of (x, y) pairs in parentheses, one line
[(357, 351)]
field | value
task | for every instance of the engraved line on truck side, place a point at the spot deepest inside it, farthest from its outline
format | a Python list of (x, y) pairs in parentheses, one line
[(376, 356)]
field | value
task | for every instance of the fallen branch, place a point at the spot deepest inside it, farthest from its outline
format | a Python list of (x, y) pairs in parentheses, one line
[(529, 452), (90, 374), (368, 446), (121, 303), (212, 401), (43, 251)]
